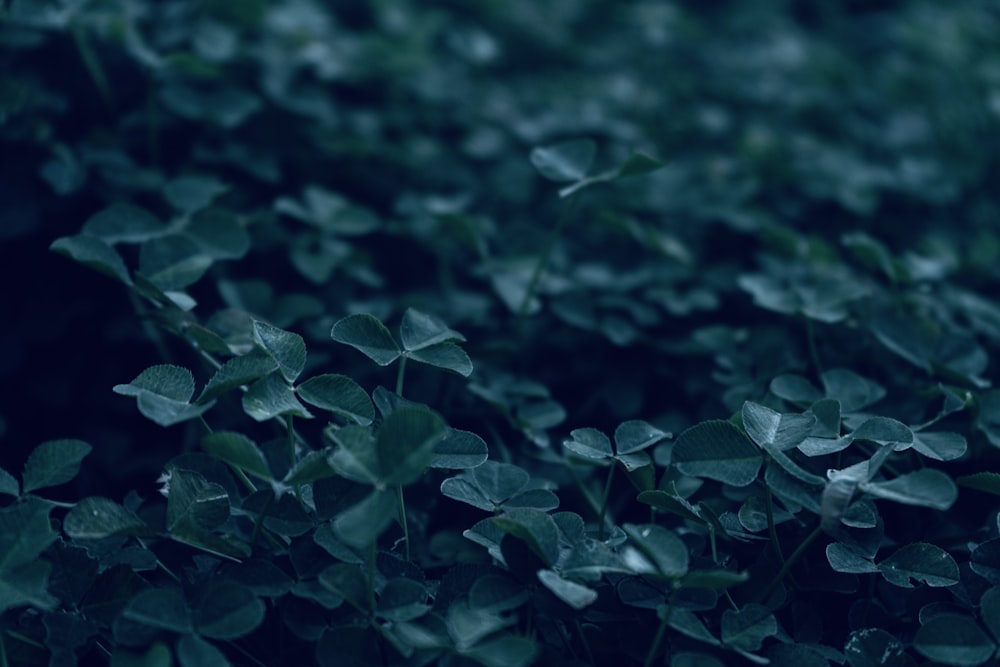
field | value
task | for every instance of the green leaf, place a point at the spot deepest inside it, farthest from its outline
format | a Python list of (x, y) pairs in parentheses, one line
[(985, 560), (922, 562), (360, 525), (905, 336), (25, 532), (873, 647), (444, 355), (237, 372), (883, 430), (26, 585), (667, 551), (340, 395), (499, 481), (163, 393), (123, 223), (193, 503), (795, 389), (173, 262), (465, 491), (219, 234), (270, 397), (405, 444), (953, 639), (402, 600), (458, 450), (637, 164), (227, 610), (313, 466), (53, 463), (162, 608), (988, 482), (747, 628), (536, 528), (636, 435), (989, 605), (9, 485), (419, 331), (94, 253), (845, 558), (368, 335), (685, 622), (941, 446), (504, 651), (924, 488), (347, 581), (497, 593), (94, 518), (717, 450), (238, 451), (566, 161), (575, 595), (690, 659), (589, 443), (191, 193), (193, 651), (468, 626), (355, 457), (286, 348), (853, 391)]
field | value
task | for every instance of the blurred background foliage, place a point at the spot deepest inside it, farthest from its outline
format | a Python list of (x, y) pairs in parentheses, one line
[(830, 176)]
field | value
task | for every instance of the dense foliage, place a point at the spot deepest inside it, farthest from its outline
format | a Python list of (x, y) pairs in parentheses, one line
[(568, 332)]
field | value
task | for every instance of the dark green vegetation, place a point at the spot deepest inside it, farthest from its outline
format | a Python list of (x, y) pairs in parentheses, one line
[(494, 333)]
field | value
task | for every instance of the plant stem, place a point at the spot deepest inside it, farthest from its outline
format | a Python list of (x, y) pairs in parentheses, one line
[(371, 580), (401, 509), (813, 350), (660, 631), (583, 640), (400, 374), (604, 501), (291, 441), (94, 67), (787, 565), (769, 504), (543, 259)]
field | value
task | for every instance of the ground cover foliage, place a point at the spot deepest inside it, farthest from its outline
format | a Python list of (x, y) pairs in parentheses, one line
[(501, 333)]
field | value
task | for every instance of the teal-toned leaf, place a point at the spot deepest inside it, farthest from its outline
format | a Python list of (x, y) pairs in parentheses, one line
[(193, 503), (286, 348), (988, 482), (227, 610), (924, 488), (637, 164), (920, 561), (497, 593), (792, 468), (539, 499), (942, 446), (671, 502), (575, 595), (94, 253), (238, 451), (53, 463), (903, 335), (313, 466), (953, 639), (985, 560), (536, 528), (795, 389), (444, 355), (368, 335), (193, 651), (405, 443), (871, 252), (419, 330), (504, 651), (667, 551), (989, 605), (691, 659), (717, 450), (402, 600), (360, 525), (883, 430), (499, 481), (27, 585), (96, 518), (163, 393), (589, 443), (873, 647), (687, 623), (123, 223), (356, 457), (8, 484), (173, 262), (747, 628), (163, 608), (219, 234), (768, 427), (464, 491), (237, 372), (468, 626), (191, 193), (271, 396), (347, 581), (844, 558), (25, 532), (635, 435), (340, 395), (853, 391), (487, 534), (827, 414), (566, 161), (459, 450)]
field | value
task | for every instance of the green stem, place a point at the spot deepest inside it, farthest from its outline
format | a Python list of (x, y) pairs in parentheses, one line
[(291, 441), (371, 580), (401, 509), (400, 374), (94, 67), (769, 504), (604, 501), (787, 565), (258, 524), (595, 507), (660, 631), (543, 259)]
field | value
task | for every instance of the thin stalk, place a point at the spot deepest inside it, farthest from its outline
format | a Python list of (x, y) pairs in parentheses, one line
[(371, 581), (583, 640), (400, 374), (787, 565), (595, 507), (401, 509), (769, 505), (604, 501), (543, 259), (93, 66), (813, 350), (660, 631), (258, 524), (291, 441)]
